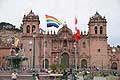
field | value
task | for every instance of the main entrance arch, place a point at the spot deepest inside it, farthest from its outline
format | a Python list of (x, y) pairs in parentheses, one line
[(114, 66), (83, 63), (65, 59)]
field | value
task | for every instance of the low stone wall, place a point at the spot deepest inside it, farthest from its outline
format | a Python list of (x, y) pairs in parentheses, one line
[(29, 77), (20, 77)]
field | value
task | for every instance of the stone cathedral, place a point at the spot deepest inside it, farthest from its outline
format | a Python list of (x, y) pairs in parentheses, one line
[(92, 50)]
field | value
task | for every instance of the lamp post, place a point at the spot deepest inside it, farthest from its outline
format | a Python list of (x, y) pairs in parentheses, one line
[(75, 62), (44, 66), (44, 57), (113, 51), (30, 42), (75, 67), (33, 63)]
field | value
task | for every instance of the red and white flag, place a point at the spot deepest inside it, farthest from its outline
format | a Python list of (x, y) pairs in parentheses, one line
[(76, 21), (77, 35)]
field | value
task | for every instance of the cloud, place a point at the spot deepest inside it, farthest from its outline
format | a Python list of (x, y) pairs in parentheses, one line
[(13, 10)]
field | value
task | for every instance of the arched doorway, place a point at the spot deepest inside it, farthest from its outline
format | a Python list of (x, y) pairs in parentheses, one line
[(83, 63), (114, 66), (65, 59), (46, 64)]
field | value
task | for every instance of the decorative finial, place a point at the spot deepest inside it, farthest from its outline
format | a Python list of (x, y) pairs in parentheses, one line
[(54, 31), (51, 31), (31, 11), (97, 14), (64, 23)]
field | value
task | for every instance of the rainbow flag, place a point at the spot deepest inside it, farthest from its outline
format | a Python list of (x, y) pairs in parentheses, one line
[(52, 21)]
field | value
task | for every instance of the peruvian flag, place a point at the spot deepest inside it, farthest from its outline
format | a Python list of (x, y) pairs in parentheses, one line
[(77, 35), (76, 21)]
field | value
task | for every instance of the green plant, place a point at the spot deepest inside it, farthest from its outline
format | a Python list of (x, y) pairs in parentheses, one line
[(58, 67), (53, 67)]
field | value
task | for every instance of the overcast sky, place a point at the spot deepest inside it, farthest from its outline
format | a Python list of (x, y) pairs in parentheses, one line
[(12, 11)]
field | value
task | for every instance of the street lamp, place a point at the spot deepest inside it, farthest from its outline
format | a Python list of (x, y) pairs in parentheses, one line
[(33, 64), (44, 66), (113, 49), (29, 65), (112, 67), (75, 62)]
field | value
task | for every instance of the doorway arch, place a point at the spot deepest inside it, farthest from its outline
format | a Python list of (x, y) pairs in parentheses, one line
[(46, 64), (83, 63), (114, 66), (65, 59)]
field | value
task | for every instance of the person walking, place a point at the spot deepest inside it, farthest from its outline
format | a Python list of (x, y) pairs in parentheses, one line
[(14, 75), (37, 77)]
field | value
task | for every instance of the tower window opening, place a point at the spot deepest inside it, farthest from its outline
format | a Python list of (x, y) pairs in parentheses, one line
[(101, 30), (28, 29), (95, 30), (33, 28), (84, 45), (65, 43)]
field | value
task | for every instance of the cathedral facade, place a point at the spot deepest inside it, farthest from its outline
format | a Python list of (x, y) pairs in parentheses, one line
[(91, 51)]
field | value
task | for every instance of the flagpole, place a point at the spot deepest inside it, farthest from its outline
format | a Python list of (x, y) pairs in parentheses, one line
[(75, 44), (43, 47), (76, 57), (44, 51), (75, 60)]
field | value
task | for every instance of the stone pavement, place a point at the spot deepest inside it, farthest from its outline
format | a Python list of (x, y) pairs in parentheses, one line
[(95, 78), (99, 78)]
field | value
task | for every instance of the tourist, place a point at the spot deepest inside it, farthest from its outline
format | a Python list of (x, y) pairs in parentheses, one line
[(14, 75), (37, 77)]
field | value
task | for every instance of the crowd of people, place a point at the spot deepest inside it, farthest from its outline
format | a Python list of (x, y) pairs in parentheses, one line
[(87, 74)]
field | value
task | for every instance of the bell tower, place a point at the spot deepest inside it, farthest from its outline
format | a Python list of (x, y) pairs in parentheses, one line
[(29, 38), (30, 23), (97, 25), (98, 41)]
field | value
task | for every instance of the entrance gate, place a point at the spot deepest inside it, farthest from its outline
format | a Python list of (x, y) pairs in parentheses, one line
[(83, 63), (65, 59)]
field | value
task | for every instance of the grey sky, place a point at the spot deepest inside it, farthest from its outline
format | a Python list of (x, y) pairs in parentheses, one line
[(65, 10)]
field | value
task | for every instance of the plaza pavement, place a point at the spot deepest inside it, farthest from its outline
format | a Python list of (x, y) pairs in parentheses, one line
[(29, 77), (95, 78)]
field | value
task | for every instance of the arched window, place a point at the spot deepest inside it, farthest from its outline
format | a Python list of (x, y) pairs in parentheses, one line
[(33, 28), (84, 63), (96, 30), (101, 30), (114, 66), (65, 59), (46, 64), (65, 43), (28, 28), (84, 45)]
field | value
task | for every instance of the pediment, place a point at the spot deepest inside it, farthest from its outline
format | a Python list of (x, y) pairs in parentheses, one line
[(65, 32), (84, 55)]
